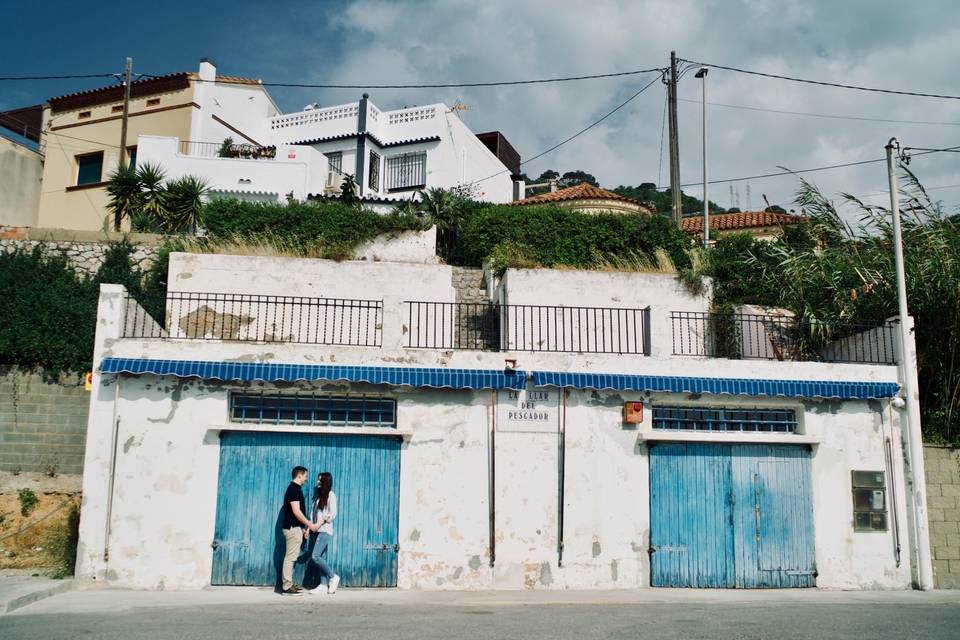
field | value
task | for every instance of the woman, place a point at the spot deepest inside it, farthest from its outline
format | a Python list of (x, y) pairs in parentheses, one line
[(324, 512)]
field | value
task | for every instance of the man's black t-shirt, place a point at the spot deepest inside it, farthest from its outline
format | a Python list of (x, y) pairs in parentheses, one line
[(294, 494)]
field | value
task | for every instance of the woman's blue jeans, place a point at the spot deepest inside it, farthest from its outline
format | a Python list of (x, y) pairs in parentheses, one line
[(317, 553)]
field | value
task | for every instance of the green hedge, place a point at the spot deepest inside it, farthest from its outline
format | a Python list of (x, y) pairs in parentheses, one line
[(301, 225), (560, 236)]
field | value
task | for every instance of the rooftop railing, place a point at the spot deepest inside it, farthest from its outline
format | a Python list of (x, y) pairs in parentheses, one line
[(221, 150), (767, 337), (256, 318), (495, 327)]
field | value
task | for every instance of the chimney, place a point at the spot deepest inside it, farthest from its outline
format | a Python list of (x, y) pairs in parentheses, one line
[(208, 69)]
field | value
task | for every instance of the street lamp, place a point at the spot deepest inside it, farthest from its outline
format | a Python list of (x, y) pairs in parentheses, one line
[(702, 74)]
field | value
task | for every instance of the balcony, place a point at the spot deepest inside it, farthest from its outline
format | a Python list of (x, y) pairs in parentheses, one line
[(767, 337), (196, 149)]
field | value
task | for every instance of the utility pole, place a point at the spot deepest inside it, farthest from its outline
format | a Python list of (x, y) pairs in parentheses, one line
[(677, 211), (128, 71), (702, 74), (910, 409)]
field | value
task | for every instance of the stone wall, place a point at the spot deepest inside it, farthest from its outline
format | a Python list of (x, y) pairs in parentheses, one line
[(43, 425), (85, 250), (943, 495)]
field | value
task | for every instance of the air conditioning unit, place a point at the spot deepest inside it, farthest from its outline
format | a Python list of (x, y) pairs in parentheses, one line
[(334, 182)]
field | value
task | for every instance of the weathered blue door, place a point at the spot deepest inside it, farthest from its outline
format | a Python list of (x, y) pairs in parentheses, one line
[(254, 473), (730, 516)]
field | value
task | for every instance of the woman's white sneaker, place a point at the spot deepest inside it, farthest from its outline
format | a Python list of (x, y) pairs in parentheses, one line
[(334, 583)]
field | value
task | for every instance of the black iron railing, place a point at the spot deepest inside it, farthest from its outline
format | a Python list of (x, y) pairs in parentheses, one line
[(754, 336), (221, 150), (255, 318), (408, 171), (495, 327)]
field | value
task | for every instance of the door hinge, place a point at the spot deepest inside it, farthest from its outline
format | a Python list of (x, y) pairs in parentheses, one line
[(215, 544)]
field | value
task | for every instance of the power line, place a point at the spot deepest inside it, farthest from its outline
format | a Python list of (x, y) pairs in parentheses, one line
[(501, 83), (826, 83), (787, 172), (27, 127), (577, 134), (71, 77), (821, 115)]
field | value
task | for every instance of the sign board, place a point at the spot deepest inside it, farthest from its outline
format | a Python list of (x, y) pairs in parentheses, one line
[(528, 410)]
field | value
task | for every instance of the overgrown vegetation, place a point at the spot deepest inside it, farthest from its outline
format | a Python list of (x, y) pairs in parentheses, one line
[(28, 501), (61, 543), (826, 271)]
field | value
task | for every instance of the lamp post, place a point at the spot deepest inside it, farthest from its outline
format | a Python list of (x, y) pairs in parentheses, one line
[(911, 410), (702, 74)]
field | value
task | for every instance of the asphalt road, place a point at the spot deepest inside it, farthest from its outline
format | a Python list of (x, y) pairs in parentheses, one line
[(325, 618)]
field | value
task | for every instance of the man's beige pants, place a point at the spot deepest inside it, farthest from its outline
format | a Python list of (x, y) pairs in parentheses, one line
[(294, 538)]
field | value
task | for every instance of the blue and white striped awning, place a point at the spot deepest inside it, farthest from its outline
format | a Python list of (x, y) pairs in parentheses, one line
[(498, 379), (273, 372), (843, 390)]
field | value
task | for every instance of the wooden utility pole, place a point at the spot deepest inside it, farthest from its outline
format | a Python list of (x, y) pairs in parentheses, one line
[(677, 210), (128, 71)]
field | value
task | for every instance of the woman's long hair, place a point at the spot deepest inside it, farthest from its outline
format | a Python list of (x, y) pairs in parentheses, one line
[(324, 485)]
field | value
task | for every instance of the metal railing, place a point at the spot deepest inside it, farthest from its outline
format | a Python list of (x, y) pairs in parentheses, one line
[(221, 150), (765, 337), (494, 327), (256, 318)]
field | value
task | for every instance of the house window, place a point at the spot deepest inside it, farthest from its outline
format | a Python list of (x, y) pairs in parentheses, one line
[(89, 168), (869, 501), (132, 157), (373, 181), (406, 172), (314, 410), (724, 419), (84, 114), (335, 159), (152, 102)]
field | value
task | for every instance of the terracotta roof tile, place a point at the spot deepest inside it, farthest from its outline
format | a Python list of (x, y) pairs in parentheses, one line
[(739, 221), (582, 191), (229, 79)]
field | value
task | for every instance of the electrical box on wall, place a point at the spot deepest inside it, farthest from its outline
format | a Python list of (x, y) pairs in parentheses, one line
[(633, 412), (869, 501)]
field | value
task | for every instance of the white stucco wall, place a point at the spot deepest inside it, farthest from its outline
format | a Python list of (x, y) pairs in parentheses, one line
[(295, 169), (21, 172), (167, 451), (408, 246)]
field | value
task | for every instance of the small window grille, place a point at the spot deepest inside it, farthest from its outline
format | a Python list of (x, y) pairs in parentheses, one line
[(84, 114), (152, 102), (869, 501), (725, 419), (335, 159), (314, 410), (374, 180)]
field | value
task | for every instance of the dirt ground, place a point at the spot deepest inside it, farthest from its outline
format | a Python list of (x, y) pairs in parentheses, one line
[(23, 539)]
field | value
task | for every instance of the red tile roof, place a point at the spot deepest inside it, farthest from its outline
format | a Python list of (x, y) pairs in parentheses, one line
[(739, 221), (582, 191)]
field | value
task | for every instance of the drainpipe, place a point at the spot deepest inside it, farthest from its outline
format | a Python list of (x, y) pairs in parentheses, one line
[(492, 476), (561, 472), (909, 407), (113, 472), (361, 143)]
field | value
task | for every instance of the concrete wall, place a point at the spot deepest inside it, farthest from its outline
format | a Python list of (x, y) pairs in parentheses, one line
[(408, 246), (21, 174), (943, 503), (42, 424)]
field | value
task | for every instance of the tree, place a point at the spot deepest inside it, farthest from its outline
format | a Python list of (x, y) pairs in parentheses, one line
[(348, 190), (573, 178)]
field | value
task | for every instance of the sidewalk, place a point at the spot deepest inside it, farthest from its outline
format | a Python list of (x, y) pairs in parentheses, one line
[(118, 600), (19, 588)]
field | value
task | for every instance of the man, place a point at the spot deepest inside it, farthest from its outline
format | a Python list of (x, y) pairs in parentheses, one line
[(293, 522)]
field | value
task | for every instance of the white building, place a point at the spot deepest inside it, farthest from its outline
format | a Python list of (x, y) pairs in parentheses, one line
[(390, 154), (515, 445)]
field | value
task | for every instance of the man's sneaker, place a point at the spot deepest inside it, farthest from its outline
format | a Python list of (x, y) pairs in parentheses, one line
[(334, 583), (292, 591)]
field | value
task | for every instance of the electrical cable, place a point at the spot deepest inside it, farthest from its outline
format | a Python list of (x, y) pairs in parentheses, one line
[(502, 83), (824, 83), (89, 75), (820, 115), (576, 135)]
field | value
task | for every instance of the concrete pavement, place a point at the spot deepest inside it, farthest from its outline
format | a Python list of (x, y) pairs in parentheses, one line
[(239, 613), (19, 588)]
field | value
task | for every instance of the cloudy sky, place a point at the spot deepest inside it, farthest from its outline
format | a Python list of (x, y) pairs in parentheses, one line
[(878, 43)]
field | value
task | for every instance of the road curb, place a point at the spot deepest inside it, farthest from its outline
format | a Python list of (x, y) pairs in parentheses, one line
[(35, 596)]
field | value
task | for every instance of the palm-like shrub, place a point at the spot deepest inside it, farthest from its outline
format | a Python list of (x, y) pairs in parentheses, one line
[(152, 203)]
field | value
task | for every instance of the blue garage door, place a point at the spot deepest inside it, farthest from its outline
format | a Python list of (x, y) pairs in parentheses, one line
[(731, 516), (255, 471)]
